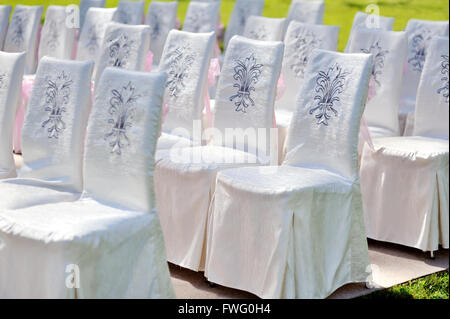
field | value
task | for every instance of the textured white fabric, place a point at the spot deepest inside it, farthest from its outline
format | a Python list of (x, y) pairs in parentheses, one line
[(130, 12), (57, 40), (389, 50), (123, 46), (11, 72), (405, 190), (22, 34), (93, 33), (307, 11), (186, 58), (5, 12), (264, 29), (202, 16), (297, 231), (432, 110), (420, 32), (242, 10), (185, 177), (84, 7), (369, 21), (161, 18)]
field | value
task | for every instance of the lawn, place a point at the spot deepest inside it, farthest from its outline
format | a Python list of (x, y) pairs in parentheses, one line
[(337, 12)]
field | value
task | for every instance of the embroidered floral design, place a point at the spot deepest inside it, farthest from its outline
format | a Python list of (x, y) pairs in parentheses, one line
[(246, 73), (198, 21), (329, 86), (53, 35), (18, 23), (122, 109), (155, 24), (181, 60), (124, 16), (57, 96), (419, 46), (93, 42), (3, 77), (445, 79), (259, 33), (119, 50), (305, 42), (378, 64)]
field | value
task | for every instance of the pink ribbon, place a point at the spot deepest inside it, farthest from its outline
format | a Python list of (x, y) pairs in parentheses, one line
[(372, 91), (149, 61), (27, 85), (213, 73), (364, 133), (177, 23)]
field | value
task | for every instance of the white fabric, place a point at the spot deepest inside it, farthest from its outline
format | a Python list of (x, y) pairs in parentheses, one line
[(161, 18), (130, 12), (297, 230), (405, 190), (11, 72), (432, 110), (93, 32), (84, 7), (242, 10), (420, 32), (389, 50), (369, 21), (186, 58), (307, 11), (264, 29), (202, 16), (5, 12), (124, 46), (185, 177), (22, 34), (57, 40)]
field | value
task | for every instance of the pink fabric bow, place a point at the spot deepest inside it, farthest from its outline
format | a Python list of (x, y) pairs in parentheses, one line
[(149, 61), (213, 73)]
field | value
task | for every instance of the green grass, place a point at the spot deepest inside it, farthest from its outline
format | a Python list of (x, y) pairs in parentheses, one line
[(337, 12), (434, 286)]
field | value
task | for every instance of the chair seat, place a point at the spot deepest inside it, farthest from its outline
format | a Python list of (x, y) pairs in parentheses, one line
[(412, 146), (167, 141)]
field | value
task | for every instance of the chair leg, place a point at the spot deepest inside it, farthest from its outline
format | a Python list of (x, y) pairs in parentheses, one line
[(432, 255)]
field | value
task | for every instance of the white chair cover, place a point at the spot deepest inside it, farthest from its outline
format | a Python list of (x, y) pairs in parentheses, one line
[(124, 46), (420, 33), (53, 136), (90, 240), (369, 21), (389, 50), (202, 16), (11, 72), (307, 11), (84, 7), (297, 230), (93, 33), (22, 34), (183, 213), (161, 18), (264, 29), (5, 12), (57, 40), (242, 10), (186, 60), (405, 180), (130, 12)]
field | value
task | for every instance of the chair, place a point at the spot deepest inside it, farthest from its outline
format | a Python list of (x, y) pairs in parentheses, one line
[(57, 40), (297, 230), (22, 34), (130, 12), (85, 5), (124, 46), (306, 11), (186, 58), (109, 243), (264, 29), (404, 181), (53, 136), (202, 17), (93, 33), (11, 74), (389, 49), (420, 33), (5, 12), (161, 18), (369, 21), (242, 10), (185, 177), (300, 41)]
